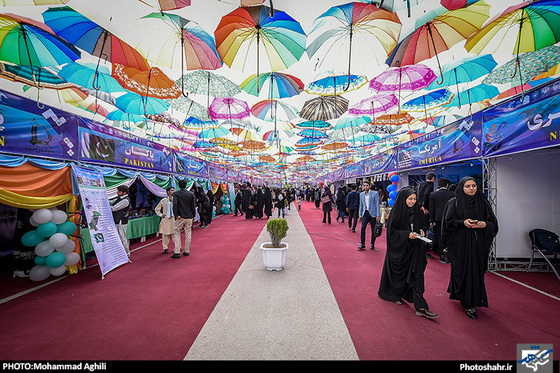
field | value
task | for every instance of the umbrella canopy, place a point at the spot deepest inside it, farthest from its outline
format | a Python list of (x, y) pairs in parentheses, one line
[(228, 108), (407, 78), (207, 83), (165, 5), (347, 121), (375, 104), (35, 76), (241, 32), (312, 133), (94, 39), (153, 82), (211, 133), (439, 34), (25, 44), (190, 107), (90, 76), (198, 124), (272, 110), (135, 104), (119, 115), (521, 28), (185, 45), (354, 28), (476, 94), (324, 108), (331, 85), (314, 124), (280, 85), (464, 71), (394, 119), (429, 100)]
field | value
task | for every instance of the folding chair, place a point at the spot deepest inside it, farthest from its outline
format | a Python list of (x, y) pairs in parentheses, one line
[(545, 243)]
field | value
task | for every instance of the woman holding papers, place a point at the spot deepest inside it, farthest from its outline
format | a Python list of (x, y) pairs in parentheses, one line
[(405, 260), (468, 228)]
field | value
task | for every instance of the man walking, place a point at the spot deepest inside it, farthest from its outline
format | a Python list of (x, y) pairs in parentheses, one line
[(353, 204), (368, 213), (184, 209)]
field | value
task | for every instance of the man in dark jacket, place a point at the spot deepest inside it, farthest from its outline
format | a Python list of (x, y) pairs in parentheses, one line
[(184, 209), (353, 204), (437, 202), (120, 207)]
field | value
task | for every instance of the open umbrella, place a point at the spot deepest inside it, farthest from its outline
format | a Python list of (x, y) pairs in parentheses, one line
[(90, 76), (375, 105), (280, 85), (121, 116), (273, 110), (135, 104), (359, 28), (198, 124), (25, 44), (228, 108), (211, 133), (180, 44), (241, 32), (317, 124), (398, 119), (324, 108), (439, 34), (94, 39), (312, 133), (406, 78), (165, 5), (34, 76), (478, 93), (208, 83), (333, 84), (152, 82), (190, 107), (429, 101)]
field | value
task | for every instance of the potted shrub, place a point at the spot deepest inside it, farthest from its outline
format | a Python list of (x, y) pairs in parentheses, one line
[(274, 252)]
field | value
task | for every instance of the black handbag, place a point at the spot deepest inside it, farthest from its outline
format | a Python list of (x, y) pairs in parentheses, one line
[(378, 229)]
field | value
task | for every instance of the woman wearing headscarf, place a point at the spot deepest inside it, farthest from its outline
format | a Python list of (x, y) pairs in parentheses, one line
[(469, 226), (259, 206), (405, 260), (328, 201), (267, 202)]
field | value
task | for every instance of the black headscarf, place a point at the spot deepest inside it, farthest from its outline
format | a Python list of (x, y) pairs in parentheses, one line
[(402, 218)]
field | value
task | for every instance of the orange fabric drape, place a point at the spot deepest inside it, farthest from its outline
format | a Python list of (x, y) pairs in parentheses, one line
[(29, 180)]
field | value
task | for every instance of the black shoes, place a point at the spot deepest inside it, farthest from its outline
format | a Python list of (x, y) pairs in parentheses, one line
[(185, 253), (372, 247), (398, 301), (165, 251), (323, 221), (361, 247), (471, 312), (426, 313), (353, 230), (175, 256)]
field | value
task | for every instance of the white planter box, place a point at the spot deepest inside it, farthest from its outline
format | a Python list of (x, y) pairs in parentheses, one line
[(274, 258)]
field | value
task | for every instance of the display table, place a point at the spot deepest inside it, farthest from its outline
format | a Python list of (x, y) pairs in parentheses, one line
[(136, 228)]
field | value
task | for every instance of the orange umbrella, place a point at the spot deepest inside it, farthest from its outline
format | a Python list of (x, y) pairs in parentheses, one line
[(254, 145), (394, 119), (332, 146), (152, 82), (267, 159)]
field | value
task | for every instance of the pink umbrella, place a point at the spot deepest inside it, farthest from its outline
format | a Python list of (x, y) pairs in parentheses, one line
[(228, 108), (375, 104), (407, 78)]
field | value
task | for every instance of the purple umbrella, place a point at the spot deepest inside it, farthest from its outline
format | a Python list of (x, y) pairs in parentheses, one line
[(375, 104), (407, 78), (228, 108)]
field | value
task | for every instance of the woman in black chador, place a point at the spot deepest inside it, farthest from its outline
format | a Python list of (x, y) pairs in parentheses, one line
[(469, 226), (267, 202), (405, 260)]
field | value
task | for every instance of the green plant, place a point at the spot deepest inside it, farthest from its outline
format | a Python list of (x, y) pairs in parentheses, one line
[(277, 228)]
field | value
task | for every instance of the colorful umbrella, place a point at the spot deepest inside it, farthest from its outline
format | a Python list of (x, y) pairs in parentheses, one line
[(203, 82), (324, 108), (313, 133), (456, 4), (478, 93), (317, 124), (394, 119), (241, 32), (198, 124), (90, 76), (190, 108), (375, 104), (407, 78), (25, 44), (185, 45), (331, 85), (121, 116), (211, 133), (439, 34), (135, 104), (429, 101), (308, 142), (228, 108), (347, 121), (464, 71), (34, 76), (165, 5), (521, 28), (354, 27), (280, 85), (272, 110), (153, 82), (94, 39), (334, 146)]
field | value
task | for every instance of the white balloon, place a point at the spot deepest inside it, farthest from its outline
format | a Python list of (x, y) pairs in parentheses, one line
[(59, 217), (39, 273), (33, 222), (71, 259), (44, 249), (42, 216), (67, 248), (58, 240), (58, 271)]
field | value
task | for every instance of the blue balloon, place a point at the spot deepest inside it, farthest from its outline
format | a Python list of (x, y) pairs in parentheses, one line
[(40, 260), (394, 178), (56, 259), (393, 194), (47, 229), (67, 228), (391, 188), (31, 238), (391, 202)]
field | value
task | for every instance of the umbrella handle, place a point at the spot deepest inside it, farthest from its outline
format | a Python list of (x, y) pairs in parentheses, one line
[(349, 60)]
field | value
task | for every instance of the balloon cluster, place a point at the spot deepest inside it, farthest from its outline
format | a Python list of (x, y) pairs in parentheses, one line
[(54, 249), (392, 188), (226, 209)]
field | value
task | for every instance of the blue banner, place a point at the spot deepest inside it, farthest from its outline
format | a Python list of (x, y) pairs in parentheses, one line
[(523, 124), (42, 131), (380, 163), (107, 145), (455, 142), (187, 165)]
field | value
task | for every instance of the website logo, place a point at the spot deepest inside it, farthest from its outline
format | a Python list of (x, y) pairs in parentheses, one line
[(533, 358)]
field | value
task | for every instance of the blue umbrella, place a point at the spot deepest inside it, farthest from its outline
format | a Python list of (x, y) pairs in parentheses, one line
[(475, 94), (195, 123), (351, 122), (314, 124), (465, 70), (313, 133), (429, 101), (119, 115), (336, 84), (142, 105), (89, 76)]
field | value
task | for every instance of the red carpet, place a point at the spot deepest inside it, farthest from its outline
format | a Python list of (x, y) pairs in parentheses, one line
[(151, 309), (386, 331)]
